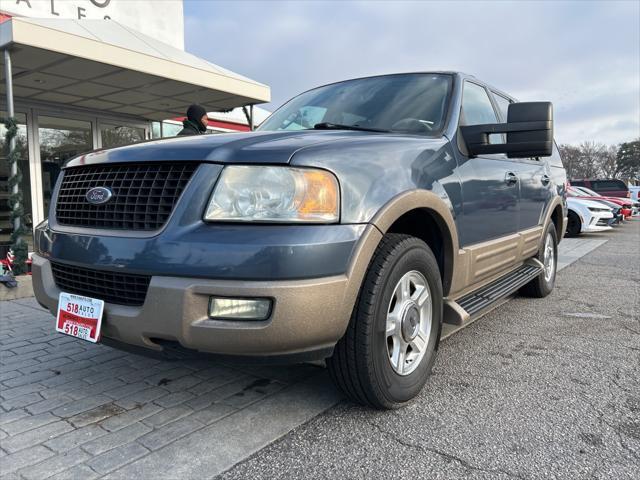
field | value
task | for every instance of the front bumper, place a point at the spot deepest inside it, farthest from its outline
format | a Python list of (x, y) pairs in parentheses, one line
[(308, 315), (596, 221)]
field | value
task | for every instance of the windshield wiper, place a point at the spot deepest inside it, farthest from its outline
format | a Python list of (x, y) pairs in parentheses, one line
[(338, 126)]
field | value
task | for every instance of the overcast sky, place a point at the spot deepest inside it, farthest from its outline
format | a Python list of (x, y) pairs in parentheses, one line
[(584, 56)]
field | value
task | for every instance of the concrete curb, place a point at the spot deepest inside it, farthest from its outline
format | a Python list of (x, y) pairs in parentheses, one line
[(23, 290)]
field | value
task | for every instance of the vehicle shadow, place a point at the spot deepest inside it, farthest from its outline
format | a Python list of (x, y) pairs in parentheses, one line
[(155, 388)]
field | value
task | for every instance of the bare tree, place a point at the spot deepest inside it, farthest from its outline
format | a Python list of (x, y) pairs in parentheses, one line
[(592, 160), (570, 155), (609, 165)]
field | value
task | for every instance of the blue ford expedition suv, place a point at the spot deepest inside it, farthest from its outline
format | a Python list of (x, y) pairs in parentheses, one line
[(361, 221)]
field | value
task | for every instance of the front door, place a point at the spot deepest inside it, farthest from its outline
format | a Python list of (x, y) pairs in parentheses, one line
[(490, 183), (534, 176), (535, 191)]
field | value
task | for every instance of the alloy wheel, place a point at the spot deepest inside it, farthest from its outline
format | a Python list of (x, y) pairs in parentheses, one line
[(408, 325), (549, 258)]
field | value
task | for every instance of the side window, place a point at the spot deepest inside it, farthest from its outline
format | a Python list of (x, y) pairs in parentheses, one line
[(503, 110), (556, 159), (608, 185), (476, 106), (477, 109), (503, 105)]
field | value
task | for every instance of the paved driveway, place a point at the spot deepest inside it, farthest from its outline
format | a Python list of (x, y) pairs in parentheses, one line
[(535, 386)]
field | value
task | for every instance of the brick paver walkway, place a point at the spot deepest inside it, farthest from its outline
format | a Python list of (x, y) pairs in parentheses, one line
[(72, 409)]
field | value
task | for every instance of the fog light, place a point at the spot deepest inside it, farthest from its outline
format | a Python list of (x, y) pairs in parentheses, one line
[(239, 308)]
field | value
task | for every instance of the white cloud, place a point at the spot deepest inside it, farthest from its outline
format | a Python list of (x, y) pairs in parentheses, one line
[(583, 56)]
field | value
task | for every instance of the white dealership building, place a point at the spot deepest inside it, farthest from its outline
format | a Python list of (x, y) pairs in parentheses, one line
[(85, 74)]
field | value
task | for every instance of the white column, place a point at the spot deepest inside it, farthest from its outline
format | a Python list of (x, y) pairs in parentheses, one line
[(8, 78)]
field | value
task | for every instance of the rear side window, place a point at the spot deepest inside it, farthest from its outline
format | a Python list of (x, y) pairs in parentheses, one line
[(476, 106), (503, 105), (503, 109), (555, 160), (578, 183), (608, 185)]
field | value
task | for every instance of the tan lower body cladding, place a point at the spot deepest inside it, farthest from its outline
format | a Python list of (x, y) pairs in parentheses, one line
[(482, 263)]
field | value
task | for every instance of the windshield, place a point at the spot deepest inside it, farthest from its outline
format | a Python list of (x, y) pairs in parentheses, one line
[(412, 103)]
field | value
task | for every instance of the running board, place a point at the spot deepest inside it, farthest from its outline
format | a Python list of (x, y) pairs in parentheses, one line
[(465, 309)]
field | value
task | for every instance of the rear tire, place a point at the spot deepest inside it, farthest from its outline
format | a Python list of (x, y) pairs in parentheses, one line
[(543, 284), (574, 225), (386, 355)]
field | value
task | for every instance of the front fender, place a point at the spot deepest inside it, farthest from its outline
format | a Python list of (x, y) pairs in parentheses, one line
[(376, 169), (439, 208)]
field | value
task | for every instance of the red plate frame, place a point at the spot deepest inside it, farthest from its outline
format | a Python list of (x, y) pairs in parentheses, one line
[(79, 316)]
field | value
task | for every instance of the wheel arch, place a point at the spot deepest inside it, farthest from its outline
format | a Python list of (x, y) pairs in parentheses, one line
[(577, 215), (427, 216), (557, 217)]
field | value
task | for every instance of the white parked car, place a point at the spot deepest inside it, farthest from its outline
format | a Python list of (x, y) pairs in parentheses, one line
[(635, 196), (587, 216)]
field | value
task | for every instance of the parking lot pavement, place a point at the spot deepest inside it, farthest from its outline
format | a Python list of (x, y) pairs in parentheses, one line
[(539, 388), (573, 249), (536, 388)]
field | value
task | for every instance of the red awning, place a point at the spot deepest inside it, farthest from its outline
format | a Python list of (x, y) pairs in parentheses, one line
[(220, 124)]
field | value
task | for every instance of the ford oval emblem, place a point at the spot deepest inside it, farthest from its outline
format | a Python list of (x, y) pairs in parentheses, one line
[(99, 195)]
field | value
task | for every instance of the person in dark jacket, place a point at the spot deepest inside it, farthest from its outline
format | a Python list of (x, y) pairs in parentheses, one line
[(196, 121)]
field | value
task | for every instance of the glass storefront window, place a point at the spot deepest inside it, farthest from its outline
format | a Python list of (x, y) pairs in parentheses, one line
[(118, 135), (170, 129), (60, 140), (6, 228)]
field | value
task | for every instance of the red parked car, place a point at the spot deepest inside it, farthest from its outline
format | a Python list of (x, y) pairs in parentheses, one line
[(587, 194), (605, 187)]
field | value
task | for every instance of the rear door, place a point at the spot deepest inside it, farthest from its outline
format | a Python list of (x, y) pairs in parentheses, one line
[(490, 183), (534, 176)]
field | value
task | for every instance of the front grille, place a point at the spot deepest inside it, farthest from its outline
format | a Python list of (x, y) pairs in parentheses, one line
[(119, 288), (144, 195), (603, 222)]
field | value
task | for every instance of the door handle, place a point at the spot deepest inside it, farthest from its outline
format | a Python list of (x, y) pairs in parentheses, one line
[(510, 178), (545, 179)]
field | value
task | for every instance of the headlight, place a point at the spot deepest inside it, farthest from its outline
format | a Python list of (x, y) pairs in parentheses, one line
[(274, 194)]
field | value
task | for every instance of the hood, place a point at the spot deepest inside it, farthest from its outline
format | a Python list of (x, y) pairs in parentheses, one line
[(601, 200), (250, 147), (586, 203), (613, 206), (618, 200)]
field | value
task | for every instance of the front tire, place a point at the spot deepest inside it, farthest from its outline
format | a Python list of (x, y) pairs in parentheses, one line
[(386, 355), (543, 284), (574, 225)]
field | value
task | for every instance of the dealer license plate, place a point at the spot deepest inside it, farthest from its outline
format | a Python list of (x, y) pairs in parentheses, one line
[(79, 316)]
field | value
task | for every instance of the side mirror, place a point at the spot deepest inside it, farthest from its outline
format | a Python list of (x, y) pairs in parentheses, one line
[(529, 130)]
